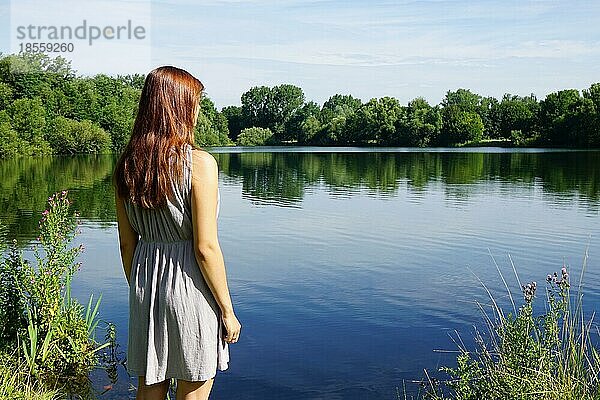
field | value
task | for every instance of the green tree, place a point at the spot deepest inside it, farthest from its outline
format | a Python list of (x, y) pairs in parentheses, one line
[(272, 108), (256, 107), (557, 121), (308, 129), (32, 74), (338, 105), (589, 116), (118, 115), (490, 116), (460, 126), (295, 124), (211, 128), (11, 144), (338, 122), (376, 121), (28, 119), (463, 99), (461, 118), (134, 81), (83, 99), (518, 114), (235, 121), (420, 125), (287, 101), (6, 95), (55, 100)]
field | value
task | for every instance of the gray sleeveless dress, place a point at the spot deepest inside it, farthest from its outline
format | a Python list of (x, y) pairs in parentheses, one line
[(175, 328)]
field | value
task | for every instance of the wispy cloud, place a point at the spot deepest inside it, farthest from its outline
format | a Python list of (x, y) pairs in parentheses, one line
[(404, 48)]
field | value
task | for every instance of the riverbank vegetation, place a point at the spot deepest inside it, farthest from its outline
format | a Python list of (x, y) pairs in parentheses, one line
[(521, 355), (47, 338), (45, 108), (15, 382)]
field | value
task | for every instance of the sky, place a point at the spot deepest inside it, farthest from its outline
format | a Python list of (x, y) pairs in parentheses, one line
[(375, 48)]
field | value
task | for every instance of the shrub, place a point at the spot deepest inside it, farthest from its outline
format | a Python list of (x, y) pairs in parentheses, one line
[(54, 333), (67, 136), (254, 136), (518, 138)]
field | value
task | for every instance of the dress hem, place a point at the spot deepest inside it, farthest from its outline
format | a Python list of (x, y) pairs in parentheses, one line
[(196, 378)]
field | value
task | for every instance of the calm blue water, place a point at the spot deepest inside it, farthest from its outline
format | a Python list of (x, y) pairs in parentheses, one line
[(349, 268)]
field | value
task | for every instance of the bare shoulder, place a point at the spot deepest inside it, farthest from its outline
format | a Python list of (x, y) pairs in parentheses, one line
[(204, 165)]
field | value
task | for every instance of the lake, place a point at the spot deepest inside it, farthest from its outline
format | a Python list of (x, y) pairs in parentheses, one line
[(348, 267)]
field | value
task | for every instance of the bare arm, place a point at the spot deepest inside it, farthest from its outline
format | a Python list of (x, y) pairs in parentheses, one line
[(206, 243), (128, 238)]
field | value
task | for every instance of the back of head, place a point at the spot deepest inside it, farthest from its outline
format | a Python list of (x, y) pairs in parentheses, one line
[(165, 122)]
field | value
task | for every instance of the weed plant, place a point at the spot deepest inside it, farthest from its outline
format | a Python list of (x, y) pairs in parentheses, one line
[(524, 356), (51, 334)]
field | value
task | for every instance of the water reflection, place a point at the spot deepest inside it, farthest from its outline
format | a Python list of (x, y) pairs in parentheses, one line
[(283, 178), (26, 183)]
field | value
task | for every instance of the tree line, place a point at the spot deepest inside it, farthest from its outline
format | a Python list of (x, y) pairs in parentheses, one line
[(280, 114), (45, 108)]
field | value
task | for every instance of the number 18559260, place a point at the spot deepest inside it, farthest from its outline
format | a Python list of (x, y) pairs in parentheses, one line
[(34, 47)]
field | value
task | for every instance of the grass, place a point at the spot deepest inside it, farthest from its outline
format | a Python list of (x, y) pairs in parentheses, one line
[(16, 382), (523, 355)]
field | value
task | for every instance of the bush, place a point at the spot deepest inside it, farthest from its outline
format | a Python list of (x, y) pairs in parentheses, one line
[(519, 139), (54, 334), (67, 136), (255, 136)]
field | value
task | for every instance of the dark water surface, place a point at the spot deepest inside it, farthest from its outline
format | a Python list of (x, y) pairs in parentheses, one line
[(347, 266)]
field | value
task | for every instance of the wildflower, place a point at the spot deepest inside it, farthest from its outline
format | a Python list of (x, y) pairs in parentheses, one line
[(529, 291), (564, 281)]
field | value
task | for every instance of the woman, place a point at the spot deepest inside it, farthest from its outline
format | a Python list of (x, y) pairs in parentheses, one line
[(181, 319)]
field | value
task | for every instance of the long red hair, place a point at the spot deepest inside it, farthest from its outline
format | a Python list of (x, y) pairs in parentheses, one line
[(163, 126)]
